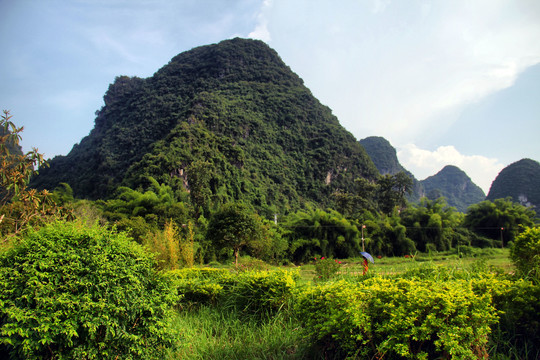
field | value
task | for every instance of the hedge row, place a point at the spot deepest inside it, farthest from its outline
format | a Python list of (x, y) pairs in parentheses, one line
[(252, 293)]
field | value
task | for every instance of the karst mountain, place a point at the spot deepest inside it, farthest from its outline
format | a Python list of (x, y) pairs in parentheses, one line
[(228, 121)]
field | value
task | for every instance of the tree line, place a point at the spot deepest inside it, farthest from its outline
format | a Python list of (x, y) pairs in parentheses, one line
[(173, 222)]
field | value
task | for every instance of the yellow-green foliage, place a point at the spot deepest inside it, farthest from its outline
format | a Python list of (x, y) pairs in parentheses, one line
[(165, 244), (187, 246), (398, 318)]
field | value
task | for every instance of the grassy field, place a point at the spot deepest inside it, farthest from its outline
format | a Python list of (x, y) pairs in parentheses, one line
[(496, 258)]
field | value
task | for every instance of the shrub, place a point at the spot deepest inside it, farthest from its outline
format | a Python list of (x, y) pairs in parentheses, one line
[(326, 269), (525, 253), (518, 303), (397, 319), (262, 294), (70, 292), (200, 286), (253, 293), (247, 263)]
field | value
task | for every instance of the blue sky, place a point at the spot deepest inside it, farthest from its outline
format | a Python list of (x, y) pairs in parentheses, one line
[(446, 82)]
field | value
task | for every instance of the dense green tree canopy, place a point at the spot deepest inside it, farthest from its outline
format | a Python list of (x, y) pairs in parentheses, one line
[(432, 222), (499, 220), (234, 226), (321, 233)]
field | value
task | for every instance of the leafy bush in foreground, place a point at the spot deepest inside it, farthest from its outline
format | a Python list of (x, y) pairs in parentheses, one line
[(525, 253), (382, 318), (69, 292), (518, 303)]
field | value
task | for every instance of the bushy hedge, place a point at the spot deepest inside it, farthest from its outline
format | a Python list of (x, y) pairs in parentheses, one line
[(196, 286), (253, 293), (518, 303), (382, 318), (262, 293), (71, 292)]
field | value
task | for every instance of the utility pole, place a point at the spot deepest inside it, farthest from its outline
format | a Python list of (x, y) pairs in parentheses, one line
[(363, 227)]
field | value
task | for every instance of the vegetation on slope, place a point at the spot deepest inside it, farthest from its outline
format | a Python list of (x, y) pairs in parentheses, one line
[(520, 181), (453, 184), (227, 122)]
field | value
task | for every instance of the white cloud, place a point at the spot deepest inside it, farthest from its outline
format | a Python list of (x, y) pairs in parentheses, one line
[(379, 6), (261, 31), (423, 163)]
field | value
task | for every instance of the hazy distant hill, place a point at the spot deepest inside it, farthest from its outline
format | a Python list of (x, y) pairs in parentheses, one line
[(454, 184), (520, 181), (384, 156), (228, 121)]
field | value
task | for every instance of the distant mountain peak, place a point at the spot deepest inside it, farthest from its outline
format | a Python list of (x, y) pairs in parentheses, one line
[(520, 181), (383, 154), (455, 185)]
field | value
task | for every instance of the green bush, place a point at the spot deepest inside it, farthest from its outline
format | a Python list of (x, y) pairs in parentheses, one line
[(326, 269), (247, 263), (397, 319), (518, 303), (525, 253), (70, 292), (262, 293), (197, 286), (252, 293)]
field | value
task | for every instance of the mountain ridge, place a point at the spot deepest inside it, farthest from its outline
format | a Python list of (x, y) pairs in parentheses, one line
[(450, 182)]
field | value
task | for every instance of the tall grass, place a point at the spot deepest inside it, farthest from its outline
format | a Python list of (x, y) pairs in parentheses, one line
[(219, 333)]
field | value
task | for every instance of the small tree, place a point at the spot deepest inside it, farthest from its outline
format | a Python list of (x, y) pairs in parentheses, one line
[(20, 205), (165, 245), (187, 246), (234, 226), (525, 252), (391, 191)]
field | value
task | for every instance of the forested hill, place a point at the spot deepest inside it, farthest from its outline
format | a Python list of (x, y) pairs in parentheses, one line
[(227, 121), (454, 184), (520, 181), (384, 156)]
